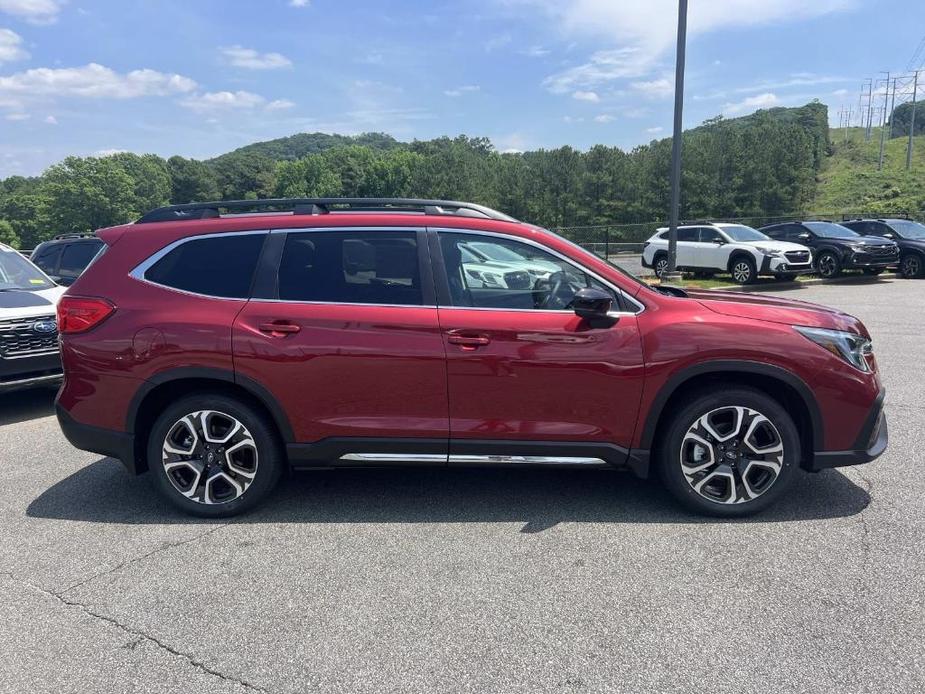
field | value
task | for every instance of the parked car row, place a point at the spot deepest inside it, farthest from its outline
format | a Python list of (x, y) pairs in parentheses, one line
[(788, 249)]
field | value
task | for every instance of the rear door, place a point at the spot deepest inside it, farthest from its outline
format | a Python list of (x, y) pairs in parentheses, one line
[(526, 376), (711, 253), (342, 331), (688, 245)]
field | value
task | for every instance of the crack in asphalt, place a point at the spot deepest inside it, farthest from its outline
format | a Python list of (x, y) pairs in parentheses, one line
[(188, 657), (128, 562)]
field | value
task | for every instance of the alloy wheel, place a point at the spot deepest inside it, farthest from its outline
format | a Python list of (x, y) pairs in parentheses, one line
[(827, 265), (732, 455), (911, 266), (661, 267), (741, 272), (209, 457)]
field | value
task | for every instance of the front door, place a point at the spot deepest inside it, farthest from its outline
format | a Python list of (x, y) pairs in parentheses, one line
[(528, 380), (345, 338)]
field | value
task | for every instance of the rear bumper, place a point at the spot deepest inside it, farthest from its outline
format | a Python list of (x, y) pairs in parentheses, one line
[(872, 441), (115, 444)]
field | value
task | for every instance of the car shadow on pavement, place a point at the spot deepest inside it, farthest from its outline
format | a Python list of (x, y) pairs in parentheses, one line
[(540, 499), (23, 405)]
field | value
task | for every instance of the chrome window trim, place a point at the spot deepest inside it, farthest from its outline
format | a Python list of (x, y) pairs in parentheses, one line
[(138, 273), (546, 249)]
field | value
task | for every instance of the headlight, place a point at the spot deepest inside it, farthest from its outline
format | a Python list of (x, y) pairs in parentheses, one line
[(849, 346), (859, 249), (770, 252)]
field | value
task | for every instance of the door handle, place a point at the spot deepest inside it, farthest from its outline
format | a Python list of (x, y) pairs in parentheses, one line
[(467, 340), (279, 328)]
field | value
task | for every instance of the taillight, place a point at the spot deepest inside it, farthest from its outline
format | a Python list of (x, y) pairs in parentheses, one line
[(77, 314)]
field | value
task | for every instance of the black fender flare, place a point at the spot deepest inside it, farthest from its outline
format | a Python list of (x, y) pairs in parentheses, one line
[(727, 366), (253, 388)]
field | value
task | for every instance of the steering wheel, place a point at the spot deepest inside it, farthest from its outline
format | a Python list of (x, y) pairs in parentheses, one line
[(559, 295)]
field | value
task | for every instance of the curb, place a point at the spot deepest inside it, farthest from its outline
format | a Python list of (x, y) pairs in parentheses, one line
[(790, 286)]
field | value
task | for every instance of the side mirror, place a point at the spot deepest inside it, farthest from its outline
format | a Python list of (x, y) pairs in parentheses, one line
[(592, 304), (804, 236), (719, 242), (889, 235)]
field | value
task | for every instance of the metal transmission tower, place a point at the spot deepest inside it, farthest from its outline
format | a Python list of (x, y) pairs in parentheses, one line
[(915, 87), (886, 100)]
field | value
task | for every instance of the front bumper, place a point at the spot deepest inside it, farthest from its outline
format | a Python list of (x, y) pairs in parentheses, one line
[(859, 261), (115, 444), (781, 266), (30, 371), (870, 444)]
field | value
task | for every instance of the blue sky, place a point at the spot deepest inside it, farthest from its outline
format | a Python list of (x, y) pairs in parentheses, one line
[(201, 77)]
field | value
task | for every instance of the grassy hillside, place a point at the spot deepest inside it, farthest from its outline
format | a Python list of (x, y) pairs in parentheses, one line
[(850, 180)]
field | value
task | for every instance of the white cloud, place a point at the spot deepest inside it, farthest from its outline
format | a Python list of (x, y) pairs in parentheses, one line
[(656, 89), (51, 120), (604, 118), (299, 3), (603, 67), (586, 96), (840, 92), (573, 119), (535, 52), (222, 101), (496, 42), (18, 116), (655, 130), (279, 105), (752, 103), (253, 60), (465, 89), (91, 81), (11, 46), (33, 11)]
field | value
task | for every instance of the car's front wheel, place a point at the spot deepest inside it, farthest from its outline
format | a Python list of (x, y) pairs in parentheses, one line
[(912, 265), (214, 456), (828, 265), (660, 265), (731, 452), (743, 270)]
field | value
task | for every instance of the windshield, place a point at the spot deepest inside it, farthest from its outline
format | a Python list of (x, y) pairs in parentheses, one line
[(909, 229), (740, 232), (830, 230), (18, 273), (494, 251)]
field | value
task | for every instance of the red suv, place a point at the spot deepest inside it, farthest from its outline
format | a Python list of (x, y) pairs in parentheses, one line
[(216, 345)]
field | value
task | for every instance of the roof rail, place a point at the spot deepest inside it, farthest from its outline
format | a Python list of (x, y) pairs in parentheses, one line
[(74, 235), (318, 206)]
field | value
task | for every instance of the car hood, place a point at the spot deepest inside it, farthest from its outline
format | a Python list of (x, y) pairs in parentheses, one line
[(870, 241), (775, 309), (24, 303)]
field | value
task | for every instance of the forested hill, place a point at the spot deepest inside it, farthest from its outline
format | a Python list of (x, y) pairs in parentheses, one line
[(765, 164)]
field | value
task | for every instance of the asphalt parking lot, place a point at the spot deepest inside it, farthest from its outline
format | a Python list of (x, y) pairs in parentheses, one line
[(472, 580)]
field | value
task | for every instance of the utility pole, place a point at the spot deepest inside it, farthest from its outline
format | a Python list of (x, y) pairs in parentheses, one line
[(915, 87), (847, 124), (673, 275), (870, 101), (892, 108), (886, 100)]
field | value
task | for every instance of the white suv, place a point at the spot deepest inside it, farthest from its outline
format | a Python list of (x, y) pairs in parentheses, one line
[(737, 249)]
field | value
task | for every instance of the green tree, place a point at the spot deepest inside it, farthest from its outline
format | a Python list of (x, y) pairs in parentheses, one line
[(89, 193), (308, 177), (8, 235), (191, 181)]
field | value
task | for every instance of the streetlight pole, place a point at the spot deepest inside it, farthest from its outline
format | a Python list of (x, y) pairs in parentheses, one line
[(673, 275)]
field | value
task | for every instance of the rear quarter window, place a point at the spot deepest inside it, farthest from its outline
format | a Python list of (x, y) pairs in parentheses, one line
[(222, 266)]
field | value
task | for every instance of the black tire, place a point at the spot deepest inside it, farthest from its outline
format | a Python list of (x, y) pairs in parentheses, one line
[(873, 271), (828, 265), (679, 432), (268, 457), (912, 265), (660, 264), (743, 270), (785, 277)]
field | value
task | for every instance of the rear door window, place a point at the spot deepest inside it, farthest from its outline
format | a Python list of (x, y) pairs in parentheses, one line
[(351, 267), (220, 266), (47, 259), (689, 234), (76, 258)]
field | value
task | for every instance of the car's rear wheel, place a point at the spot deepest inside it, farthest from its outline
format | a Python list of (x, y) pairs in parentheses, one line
[(660, 265), (912, 265), (214, 456), (743, 270), (828, 265), (729, 452)]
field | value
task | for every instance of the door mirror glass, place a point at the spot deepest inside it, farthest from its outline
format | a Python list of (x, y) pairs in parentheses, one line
[(889, 235), (591, 303), (804, 236), (719, 241)]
